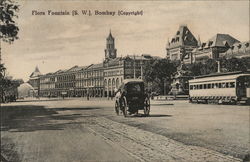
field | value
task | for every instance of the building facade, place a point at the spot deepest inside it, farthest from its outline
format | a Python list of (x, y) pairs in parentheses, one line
[(120, 68), (95, 80), (34, 81), (181, 45), (238, 50), (212, 49)]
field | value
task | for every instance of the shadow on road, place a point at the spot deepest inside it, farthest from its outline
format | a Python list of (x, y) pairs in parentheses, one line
[(28, 118), (151, 115), (161, 104), (37, 100), (65, 109), (159, 115)]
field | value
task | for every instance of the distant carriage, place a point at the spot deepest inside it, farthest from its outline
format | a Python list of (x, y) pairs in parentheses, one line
[(231, 87)]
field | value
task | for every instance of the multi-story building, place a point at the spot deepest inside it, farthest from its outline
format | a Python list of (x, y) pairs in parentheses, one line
[(212, 49), (47, 85), (95, 80), (60, 83), (34, 81), (238, 50), (120, 68), (181, 45)]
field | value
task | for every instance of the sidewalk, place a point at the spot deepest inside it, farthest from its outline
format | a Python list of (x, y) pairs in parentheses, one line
[(65, 98)]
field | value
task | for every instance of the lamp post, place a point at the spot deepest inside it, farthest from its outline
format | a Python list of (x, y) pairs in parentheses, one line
[(134, 66), (165, 86), (141, 70)]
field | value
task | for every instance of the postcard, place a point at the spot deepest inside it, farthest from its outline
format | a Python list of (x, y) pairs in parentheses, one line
[(135, 80)]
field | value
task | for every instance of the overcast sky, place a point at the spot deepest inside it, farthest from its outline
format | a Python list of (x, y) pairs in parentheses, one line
[(60, 42)]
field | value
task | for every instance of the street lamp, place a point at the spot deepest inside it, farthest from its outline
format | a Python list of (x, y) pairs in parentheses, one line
[(141, 69)]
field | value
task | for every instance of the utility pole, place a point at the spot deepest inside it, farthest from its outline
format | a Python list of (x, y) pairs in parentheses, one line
[(141, 69), (165, 86), (134, 66), (0, 49)]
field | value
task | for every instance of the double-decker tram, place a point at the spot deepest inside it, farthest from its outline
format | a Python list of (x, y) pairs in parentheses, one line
[(231, 87)]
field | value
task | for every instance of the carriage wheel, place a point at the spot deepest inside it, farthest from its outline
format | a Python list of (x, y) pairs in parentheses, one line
[(117, 108), (146, 106), (124, 107)]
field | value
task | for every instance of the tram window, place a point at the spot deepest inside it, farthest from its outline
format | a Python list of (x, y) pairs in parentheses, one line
[(220, 85), (232, 84), (216, 85), (212, 85), (200, 86), (209, 86), (227, 85), (205, 86), (191, 86)]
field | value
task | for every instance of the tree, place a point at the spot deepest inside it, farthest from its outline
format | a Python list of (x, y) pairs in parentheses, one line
[(227, 65), (8, 27), (2, 70), (203, 68), (159, 71), (235, 64), (8, 33)]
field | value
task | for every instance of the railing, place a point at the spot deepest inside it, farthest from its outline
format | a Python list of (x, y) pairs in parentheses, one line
[(171, 97)]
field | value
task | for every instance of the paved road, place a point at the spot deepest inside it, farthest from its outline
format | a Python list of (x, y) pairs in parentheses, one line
[(80, 130)]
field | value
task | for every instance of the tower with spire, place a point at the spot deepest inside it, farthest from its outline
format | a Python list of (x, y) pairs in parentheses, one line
[(34, 81), (110, 51)]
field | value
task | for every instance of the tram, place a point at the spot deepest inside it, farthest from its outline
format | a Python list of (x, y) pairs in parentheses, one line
[(231, 87)]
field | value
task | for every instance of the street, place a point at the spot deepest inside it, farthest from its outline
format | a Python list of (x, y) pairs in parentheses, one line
[(89, 130)]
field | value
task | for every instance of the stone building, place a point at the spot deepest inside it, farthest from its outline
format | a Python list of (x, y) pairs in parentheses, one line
[(238, 50), (212, 49), (95, 80), (181, 45), (120, 68), (34, 81), (47, 85), (59, 83)]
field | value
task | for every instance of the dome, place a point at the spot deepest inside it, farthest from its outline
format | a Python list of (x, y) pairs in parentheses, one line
[(25, 90)]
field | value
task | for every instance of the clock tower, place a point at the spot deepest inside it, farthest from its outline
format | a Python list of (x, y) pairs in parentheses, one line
[(110, 51)]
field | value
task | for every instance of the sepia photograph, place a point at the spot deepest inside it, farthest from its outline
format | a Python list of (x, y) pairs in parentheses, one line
[(125, 81)]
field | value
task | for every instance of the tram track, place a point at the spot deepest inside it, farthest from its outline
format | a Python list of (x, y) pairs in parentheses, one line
[(149, 146)]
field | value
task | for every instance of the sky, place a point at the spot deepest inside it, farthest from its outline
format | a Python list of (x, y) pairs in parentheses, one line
[(63, 41)]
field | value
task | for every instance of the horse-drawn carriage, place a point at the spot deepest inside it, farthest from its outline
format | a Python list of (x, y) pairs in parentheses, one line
[(132, 97)]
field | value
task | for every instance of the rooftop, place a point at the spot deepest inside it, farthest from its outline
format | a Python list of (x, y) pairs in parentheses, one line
[(219, 40), (183, 37), (36, 73)]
